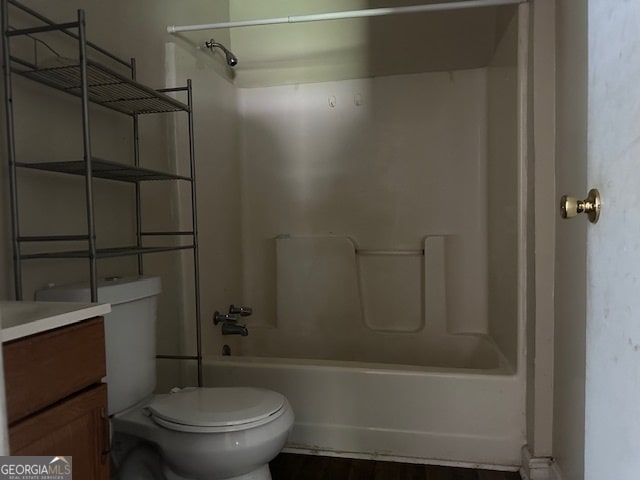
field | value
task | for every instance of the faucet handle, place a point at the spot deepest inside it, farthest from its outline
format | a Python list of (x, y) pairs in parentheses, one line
[(242, 311), (222, 317)]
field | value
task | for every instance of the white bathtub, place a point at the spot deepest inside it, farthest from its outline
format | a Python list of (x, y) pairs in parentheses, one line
[(445, 394), (408, 413)]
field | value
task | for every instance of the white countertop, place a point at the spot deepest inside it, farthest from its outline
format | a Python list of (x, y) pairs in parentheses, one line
[(20, 319)]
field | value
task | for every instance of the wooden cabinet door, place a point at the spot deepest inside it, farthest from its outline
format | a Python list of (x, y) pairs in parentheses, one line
[(77, 427), (42, 369)]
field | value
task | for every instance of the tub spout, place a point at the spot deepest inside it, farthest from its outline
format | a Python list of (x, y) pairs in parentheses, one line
[(226, 318), (229, 328)]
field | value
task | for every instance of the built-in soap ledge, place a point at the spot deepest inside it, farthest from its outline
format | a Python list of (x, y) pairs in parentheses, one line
[(21, 319)]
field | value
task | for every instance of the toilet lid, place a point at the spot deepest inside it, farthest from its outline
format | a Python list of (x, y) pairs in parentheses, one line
[(215, 408)]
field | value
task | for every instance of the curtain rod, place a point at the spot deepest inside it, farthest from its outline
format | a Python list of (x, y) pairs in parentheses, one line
[(372, 12)]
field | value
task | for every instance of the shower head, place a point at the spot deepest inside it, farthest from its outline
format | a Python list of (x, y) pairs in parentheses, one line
[(232, 60)]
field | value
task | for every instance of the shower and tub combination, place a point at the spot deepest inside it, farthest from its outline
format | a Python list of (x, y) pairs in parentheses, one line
[(384, 252)]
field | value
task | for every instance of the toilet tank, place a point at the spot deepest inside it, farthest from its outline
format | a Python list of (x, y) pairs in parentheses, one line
[(130, 333)]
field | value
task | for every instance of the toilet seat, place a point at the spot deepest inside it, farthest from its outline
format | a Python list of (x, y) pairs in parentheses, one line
[(216, 410)]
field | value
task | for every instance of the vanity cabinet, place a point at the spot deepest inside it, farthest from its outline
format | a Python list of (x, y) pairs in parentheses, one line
[(56, 401)]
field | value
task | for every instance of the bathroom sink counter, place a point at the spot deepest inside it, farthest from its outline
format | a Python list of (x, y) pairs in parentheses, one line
[(21, 319)]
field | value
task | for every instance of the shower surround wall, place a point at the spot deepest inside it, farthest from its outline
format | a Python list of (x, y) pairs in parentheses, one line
[(503, 170), (383, 229), (377, 164)]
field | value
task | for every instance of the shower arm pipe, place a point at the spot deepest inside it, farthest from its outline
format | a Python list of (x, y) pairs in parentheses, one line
[(371, 12)]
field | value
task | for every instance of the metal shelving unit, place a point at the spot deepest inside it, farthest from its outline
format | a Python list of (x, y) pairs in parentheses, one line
[(104, 169), (93, 82)]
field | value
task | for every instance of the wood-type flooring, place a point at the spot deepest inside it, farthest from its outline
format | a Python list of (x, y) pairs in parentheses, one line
[(287, 466)]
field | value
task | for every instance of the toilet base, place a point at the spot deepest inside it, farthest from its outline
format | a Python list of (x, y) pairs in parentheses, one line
[(261, 473), (145, 463)]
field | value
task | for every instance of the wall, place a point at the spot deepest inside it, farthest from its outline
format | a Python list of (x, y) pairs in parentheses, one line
[(137, 29), (503, 192), (218, 170), (540, 326), (356, 48), (570, 281), (396, 159)]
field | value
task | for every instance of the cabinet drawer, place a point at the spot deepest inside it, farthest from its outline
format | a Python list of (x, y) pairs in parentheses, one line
[(45, 368)]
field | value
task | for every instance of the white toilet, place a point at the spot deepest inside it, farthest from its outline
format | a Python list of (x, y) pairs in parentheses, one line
[(194, 433)]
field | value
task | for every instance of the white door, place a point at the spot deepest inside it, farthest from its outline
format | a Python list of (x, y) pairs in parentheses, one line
[(612, 398)]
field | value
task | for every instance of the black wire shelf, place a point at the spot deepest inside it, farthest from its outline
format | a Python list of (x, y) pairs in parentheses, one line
[(98, 84), (106, 252), (103, 169), (105, 87)]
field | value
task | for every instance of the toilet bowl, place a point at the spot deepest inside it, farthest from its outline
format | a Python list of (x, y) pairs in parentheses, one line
[(205, 434), (194, 433)]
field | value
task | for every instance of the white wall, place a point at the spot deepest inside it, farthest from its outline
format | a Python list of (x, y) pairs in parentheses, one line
[(407, 163), (219, 194), (136, 30), (540, 325), (356, 48), (503, 192)]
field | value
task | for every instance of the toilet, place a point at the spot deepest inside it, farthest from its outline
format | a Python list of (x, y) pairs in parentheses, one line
[(191, 433)]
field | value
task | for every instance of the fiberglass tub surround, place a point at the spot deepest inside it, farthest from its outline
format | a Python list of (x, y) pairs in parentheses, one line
[(379, 217), (381, 232)]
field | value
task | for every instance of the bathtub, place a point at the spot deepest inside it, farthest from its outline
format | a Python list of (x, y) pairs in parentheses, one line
[(409, 350), (384, 411)]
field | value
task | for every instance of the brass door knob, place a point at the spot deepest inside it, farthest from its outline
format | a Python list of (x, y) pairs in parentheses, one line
[(571, 206)]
